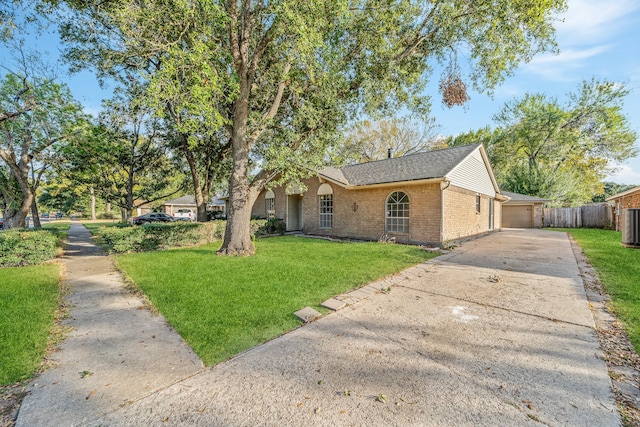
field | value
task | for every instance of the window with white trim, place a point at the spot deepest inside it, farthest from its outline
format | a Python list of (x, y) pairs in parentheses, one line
[(397, 213), (477, 203), (270, 204), (325, 206), (326, 211)]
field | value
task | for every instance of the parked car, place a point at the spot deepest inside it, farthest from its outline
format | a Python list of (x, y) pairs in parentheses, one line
[(44, 215), (185, 214), (216, 215), (1, 224), (153, 217)]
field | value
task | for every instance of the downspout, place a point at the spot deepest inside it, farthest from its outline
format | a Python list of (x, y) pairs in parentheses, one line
[(448, 183)]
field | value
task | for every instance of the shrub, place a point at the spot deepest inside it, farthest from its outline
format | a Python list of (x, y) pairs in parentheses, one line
[(121, 239), (107, 215), (27, 247), (154, 236), (259, 227)]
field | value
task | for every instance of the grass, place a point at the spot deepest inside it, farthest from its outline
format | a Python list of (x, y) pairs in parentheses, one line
[(619, 271), (224, 305), (28, 300), (59, 226)]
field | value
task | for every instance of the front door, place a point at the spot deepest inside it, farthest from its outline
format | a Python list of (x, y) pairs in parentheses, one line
[(294, 212)]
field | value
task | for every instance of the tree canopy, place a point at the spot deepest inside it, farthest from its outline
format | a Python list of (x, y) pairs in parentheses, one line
[(124, 156), (561, 151), (36, 115), (368, 141), (281, 78)]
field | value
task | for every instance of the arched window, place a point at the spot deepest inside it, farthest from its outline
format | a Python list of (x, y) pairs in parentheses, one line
[(270, 204), (397, 213), (325, 206)]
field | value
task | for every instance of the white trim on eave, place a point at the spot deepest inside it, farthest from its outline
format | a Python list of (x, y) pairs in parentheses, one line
[(394, 184)]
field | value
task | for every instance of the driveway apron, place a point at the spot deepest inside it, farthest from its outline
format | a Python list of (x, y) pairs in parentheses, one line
[(497, 332), (117, 351)]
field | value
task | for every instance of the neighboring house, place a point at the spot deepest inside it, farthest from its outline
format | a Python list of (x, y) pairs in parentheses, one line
[(522, 211), (189, 202), (143, 207), (429, 198), (625, 200)]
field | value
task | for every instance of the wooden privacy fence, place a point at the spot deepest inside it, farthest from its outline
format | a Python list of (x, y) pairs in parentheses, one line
[(589, 216)]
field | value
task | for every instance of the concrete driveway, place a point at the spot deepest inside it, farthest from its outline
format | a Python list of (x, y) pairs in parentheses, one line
[(497, 332)]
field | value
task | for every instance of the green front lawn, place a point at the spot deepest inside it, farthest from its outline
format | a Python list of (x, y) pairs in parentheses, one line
[(59, 226), (619, 270), (28, 300), (224, 305)]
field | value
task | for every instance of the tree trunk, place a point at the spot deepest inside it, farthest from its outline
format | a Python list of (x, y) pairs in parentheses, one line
[(202, 197), (35, 215), (107, 208), (18, 216), (237, 236), (12, 219), (93, 204)]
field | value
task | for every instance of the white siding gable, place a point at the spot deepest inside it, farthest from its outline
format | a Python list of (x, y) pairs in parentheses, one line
[(473, 174)]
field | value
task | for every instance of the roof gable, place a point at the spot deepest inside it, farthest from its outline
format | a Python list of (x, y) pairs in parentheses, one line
[(474, 173), (184, 200)]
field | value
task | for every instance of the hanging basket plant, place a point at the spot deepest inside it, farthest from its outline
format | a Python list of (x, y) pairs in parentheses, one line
[(452, 88)]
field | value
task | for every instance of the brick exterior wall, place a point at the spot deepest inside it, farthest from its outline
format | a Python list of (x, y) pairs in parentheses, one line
[(462, 220), (630, 201), (538, 215), (360, 214), (497, 215), (367, 221)]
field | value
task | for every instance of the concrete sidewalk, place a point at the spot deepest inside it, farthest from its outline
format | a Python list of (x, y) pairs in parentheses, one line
[(495, 333), (117, 352)]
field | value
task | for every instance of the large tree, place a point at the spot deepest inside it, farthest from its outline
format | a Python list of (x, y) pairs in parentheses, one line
[(563, 151), (36, 114), (559, 150), (124, 157), (281, 77)]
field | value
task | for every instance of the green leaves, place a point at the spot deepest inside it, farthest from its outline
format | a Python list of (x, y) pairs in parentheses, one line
[(561, 151)]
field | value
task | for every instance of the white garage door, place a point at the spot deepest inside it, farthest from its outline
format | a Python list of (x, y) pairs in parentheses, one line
[(517, 216)]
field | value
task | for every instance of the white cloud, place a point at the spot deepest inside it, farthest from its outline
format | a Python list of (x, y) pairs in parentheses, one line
[(559, 67), (592, 21), (625, 174), (586, 30)]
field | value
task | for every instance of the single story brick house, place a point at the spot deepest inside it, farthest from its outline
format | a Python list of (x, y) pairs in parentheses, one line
[(522, 211), (425, 198), (626, 200)]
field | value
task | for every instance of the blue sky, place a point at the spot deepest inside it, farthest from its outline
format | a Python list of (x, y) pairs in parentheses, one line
[(597, 39)]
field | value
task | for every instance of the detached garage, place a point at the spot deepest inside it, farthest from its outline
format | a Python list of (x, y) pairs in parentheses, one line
[(522, 211)]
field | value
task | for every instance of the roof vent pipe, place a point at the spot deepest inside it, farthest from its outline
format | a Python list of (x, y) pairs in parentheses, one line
[(389, 153)]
